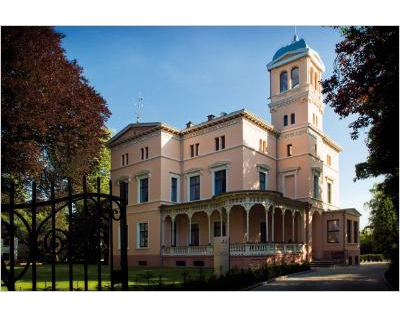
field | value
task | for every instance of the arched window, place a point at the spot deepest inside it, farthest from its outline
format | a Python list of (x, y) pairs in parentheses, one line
[(295, 77), (283, 82)]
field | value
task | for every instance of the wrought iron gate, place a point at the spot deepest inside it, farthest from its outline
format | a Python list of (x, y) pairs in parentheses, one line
[(86, 239)]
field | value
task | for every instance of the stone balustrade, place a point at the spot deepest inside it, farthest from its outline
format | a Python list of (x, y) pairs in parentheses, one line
[(237, 250)]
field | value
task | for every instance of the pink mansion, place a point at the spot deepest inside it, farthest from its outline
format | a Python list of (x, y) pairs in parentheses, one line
[(271, 188)]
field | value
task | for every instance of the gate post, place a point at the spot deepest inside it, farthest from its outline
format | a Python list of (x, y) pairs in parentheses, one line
[(124, 237)]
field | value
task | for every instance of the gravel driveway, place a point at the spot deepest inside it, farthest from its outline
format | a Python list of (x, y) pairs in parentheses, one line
[(365, 277)]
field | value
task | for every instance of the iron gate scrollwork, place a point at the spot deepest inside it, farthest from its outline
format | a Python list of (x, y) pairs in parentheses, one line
[(88, 218)]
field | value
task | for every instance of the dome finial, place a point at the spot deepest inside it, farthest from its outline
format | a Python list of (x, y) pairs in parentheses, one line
[(295, 38)]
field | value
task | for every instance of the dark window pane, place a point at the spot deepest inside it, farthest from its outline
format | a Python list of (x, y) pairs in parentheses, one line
[(143, 235), (217, 143), (191, 150), (292, 118), (147, 152), (355, 232), (222, 142), (197, 149), (283, 82), (295, 77), (349, 231), (142, 153), (333, 231), (174, 189), (285, 120), (220, 182), (195, 234), (217, 229), (194, 188), (144, 190), (262, 181)]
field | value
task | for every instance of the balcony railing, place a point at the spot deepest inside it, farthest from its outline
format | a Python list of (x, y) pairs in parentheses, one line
[(236, 250)]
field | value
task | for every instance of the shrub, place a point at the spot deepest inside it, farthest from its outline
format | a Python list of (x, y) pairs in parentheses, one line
[(372, 258)]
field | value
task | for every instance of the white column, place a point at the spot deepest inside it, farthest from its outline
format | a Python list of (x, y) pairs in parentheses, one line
[(173, 242), (220, 218), (162, 231), (273, 224), (266, 224), (293, 214), (228, 210), (190, 230), (283, 225), (247, 225)]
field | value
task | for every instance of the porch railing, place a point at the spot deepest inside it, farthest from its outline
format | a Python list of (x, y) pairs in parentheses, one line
[(188, 251), (236, 250)]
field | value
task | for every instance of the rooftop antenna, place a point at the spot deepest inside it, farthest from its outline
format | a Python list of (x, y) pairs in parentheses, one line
[(139, 106), (295, 38)]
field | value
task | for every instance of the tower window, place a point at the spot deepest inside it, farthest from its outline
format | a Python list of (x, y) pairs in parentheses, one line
[(191, 150), (197, 149), (283, 81), (289, 150), (295, 77), (216, 143), (316, 194), (328, 160), (285, 120), (292, 118), (329, 193), (222, 142)]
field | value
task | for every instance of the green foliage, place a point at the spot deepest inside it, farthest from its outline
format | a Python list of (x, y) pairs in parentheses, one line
[(372, 257), (365, 82), (366, 241), (383, 222)]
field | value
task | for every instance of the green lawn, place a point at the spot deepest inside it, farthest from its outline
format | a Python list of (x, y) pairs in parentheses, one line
[(168, 275)]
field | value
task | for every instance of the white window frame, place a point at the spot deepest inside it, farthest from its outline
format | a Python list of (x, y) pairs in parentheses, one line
[(264, 169), (119, 236), (317, 172), (178, 188), (188, 176), (331, 181), (138, 235), (218, 166), (143, 174)]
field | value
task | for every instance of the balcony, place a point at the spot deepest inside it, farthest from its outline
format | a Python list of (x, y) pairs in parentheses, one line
[(237, 250)]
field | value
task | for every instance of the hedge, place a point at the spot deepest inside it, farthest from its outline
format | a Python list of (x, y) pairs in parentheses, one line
[(372, 257), (233, 280)]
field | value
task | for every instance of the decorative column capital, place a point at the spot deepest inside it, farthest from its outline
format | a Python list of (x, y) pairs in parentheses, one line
[(247, 206)]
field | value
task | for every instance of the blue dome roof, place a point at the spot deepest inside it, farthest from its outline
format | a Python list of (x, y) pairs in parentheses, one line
[(300, 44)]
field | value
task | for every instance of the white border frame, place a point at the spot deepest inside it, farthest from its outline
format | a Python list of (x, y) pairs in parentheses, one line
[(138, 235)]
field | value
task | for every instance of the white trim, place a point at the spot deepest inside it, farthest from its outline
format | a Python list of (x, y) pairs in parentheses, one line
[(266, 173), (189, 174), (138, 235), (218, 166), (142, 174), (178, 188)]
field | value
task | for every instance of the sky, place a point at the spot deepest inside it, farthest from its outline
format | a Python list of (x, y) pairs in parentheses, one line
[(186, 73)]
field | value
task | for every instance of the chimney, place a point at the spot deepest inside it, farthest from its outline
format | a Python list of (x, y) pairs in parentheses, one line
[(189, 124), (210, 117)]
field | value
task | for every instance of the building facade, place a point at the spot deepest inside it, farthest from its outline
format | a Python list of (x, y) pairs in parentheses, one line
[(272, 189)]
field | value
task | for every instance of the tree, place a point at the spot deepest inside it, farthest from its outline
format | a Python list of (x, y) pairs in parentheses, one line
[(365, 82), (52, 119), (366, 241), (384, 223)]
